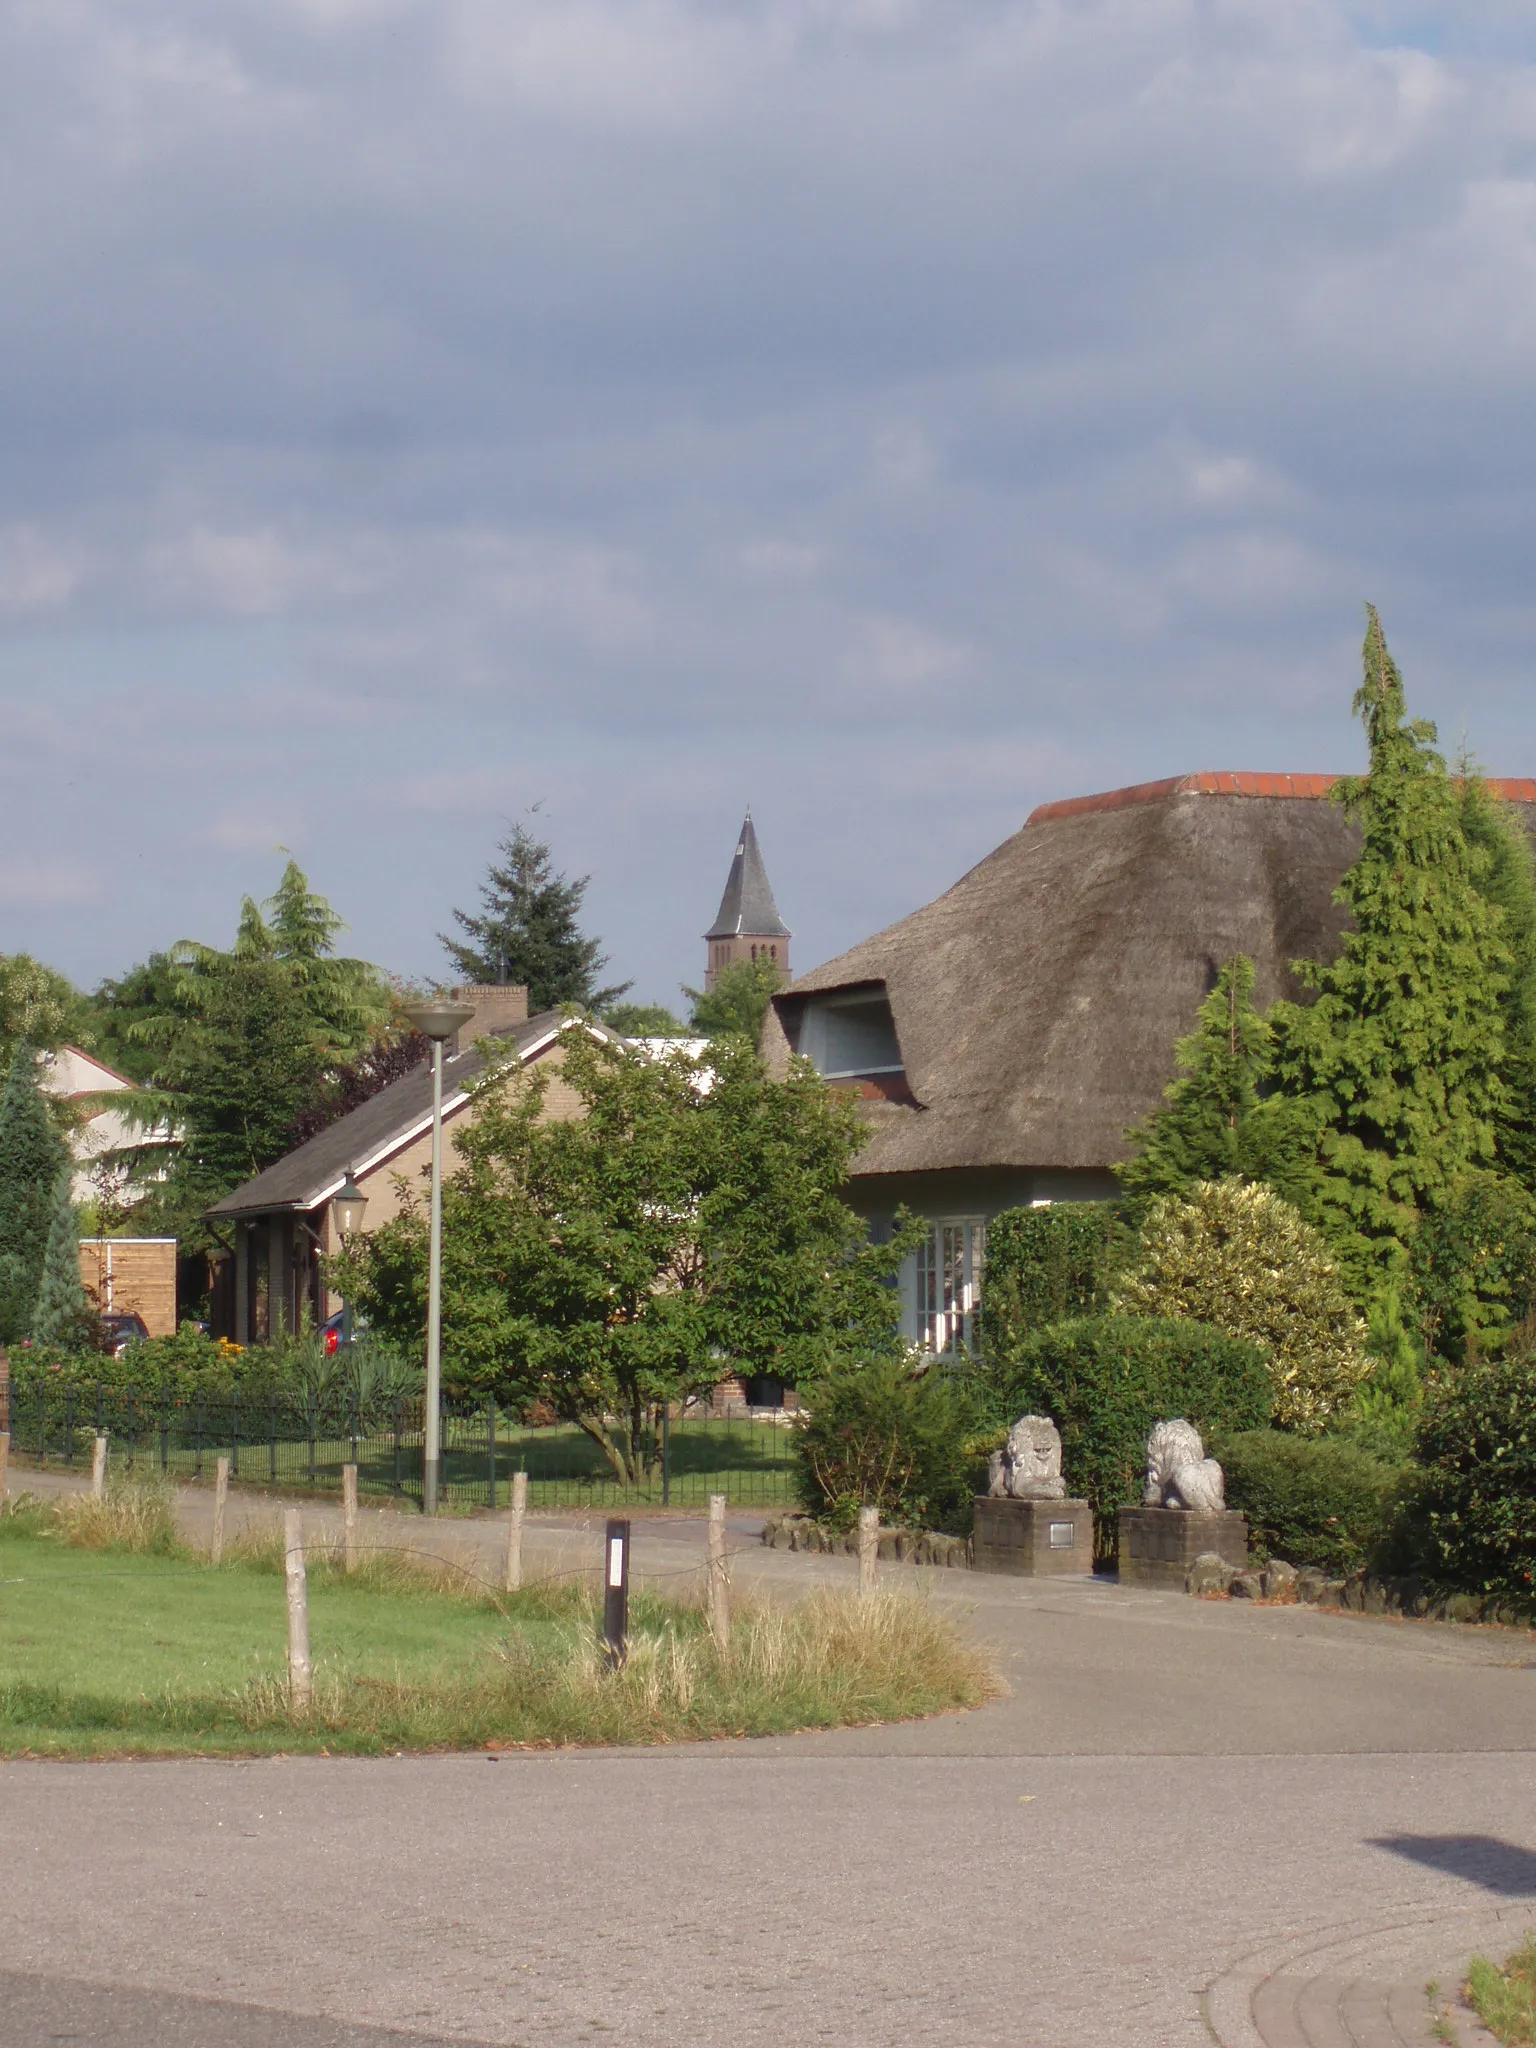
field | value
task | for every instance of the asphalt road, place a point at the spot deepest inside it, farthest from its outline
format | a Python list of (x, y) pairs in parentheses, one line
[(1188, 1821)]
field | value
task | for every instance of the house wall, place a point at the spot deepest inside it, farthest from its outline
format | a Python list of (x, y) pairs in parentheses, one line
[(133, 1274), (941, 1284)]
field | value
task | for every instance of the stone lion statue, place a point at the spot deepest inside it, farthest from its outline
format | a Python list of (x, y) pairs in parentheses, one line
[(1179, 1474), (1028, 1467)]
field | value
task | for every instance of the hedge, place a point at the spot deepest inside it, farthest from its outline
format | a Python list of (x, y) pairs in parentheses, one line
[(1104, 1381), (1319, 1501), (1470, 1525), (1045, 1266)]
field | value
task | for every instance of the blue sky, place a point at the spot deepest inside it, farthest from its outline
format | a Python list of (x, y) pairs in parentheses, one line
[(892, 413)]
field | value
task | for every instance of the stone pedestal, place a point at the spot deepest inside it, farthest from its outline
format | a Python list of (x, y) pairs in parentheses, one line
[(1032, 1538), (1158, 1545)]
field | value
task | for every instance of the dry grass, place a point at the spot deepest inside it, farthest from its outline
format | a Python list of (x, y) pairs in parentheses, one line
[(137, 1517), (830, 1661)]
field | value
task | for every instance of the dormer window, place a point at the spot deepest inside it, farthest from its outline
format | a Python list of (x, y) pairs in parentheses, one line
[(844, 1036)]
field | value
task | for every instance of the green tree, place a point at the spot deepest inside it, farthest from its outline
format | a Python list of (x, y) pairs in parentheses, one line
[(1220, 1119), (62, 1315), (644, 1020), (1235, 1256), (32, 1157), (1493, 829), (737, 1004), (687, 1222), (1401, 1054), (38, 1007), (528, 931)]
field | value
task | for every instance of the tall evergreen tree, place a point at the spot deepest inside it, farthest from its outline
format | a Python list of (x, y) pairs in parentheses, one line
[(1401, 1054), (32, 1157), (62, 1315), (1218, 1120), (528, 931), (1493, 829)]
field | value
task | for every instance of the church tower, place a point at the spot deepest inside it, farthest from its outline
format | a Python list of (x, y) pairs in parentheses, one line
[(748, 925)]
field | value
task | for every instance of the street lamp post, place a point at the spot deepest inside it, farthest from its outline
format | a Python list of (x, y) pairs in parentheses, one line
[(347, 1206), (437, 1019)]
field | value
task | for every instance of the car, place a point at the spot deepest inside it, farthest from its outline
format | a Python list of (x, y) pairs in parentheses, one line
[(121, 1328), (332, 1330)]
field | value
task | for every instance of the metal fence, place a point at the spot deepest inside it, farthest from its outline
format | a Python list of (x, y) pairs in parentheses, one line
[(298, 1444)]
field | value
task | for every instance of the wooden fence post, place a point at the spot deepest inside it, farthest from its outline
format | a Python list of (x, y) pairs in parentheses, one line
[(719, 1578), (300, 1676), (869, 1549), (349, 1514), (514, 1573), (99, 1468), (220, 1502)]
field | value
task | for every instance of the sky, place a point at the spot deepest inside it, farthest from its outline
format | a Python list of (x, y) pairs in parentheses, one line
[(892, 414)]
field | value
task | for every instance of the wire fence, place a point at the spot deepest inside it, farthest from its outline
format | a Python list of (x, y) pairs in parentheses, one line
[(300, 1444)]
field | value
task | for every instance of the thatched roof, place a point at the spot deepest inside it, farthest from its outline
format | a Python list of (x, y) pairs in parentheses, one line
[(1037, 1001)]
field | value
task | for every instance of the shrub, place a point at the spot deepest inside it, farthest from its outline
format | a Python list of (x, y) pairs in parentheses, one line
[(1474, 1262), (1235, 1255), (1047, 1265), (1320, 1501), (884, 1435), (1471, 1524), (1104, 1381)]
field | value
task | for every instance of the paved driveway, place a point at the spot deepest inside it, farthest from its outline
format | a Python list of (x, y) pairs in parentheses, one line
[(1187, 1822)]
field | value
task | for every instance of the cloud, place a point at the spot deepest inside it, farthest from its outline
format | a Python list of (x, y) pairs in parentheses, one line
[(892, 412)]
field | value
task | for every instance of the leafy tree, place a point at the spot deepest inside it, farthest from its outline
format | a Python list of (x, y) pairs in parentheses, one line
[(1473, 1263), (1235, 1256), (880, 1434), (1469, 1517), (1401, 1054), (737, 1004), (528, 931), (38, 1007), (349, 1086), (1220, 1119), (1494, 831), (32, 1157), (126, 1013), (62, 1315), (644, 1020), (631, 1256)]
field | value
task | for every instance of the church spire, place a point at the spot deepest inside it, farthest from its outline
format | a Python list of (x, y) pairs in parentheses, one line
[(747, 925)]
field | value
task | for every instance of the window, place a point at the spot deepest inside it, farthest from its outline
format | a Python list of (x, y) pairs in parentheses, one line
[(941, 1285), (852, 1034)]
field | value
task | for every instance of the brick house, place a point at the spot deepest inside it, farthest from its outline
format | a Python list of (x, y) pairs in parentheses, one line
[(280, 1224)]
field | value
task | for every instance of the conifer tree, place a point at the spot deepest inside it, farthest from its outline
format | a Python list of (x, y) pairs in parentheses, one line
[(1218, 1121), (528, 931), (1401, 1054), (32, 1156), (62, 1315), (1509, 883)]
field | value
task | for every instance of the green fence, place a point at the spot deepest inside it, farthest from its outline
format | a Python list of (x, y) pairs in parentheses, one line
[(301, 1445)]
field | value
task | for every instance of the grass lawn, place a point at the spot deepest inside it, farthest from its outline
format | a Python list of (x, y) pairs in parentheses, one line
[(1505, 2000), (115, 1639)]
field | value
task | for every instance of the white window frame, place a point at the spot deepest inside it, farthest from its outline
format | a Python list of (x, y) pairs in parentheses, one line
[(941, 1286)]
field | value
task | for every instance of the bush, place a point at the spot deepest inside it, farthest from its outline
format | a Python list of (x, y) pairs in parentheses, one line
[(1045, 1266), (1474, 1262), (1104, 1381), (1235, 1255), (884, 1435), (1315, 1501), (1471, 1524)]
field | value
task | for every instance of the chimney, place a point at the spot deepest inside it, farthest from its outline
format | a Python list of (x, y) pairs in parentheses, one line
[(496, 1009)]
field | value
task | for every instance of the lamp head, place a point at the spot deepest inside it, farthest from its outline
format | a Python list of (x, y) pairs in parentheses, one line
[(347, 1206), (436, 1017)]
